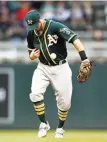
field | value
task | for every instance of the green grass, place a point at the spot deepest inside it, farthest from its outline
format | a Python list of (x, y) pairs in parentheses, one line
[(69, 136)]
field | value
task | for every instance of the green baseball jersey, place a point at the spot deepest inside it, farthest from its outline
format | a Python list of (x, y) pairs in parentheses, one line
[(52, 41)]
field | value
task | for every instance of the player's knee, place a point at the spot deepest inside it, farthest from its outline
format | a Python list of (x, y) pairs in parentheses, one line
[(36, 97), (65, 105)]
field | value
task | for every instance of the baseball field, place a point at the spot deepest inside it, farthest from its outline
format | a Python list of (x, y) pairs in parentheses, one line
[(70, 136)]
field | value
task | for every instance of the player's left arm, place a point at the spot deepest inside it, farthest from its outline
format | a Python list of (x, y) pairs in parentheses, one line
[(85, 66), (80, 48), (71, 37)]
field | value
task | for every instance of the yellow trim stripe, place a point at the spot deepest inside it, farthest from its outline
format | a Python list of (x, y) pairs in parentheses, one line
[(62, 112), (39, 106), (42, 51), (40, 113), (62, 118), (46, 43), (40, 109), (30, 49), (64, 115), (71, 37)]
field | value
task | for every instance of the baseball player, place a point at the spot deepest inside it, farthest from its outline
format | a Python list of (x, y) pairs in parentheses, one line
[(47, 41)]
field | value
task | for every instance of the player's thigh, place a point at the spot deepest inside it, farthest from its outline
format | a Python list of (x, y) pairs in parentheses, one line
[(39, 82), (63, 83)]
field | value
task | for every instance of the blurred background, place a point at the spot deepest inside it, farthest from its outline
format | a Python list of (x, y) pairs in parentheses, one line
[(89, 100)]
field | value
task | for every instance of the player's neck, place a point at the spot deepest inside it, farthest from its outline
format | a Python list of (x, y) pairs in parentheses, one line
[(42, 27), (43, 22)]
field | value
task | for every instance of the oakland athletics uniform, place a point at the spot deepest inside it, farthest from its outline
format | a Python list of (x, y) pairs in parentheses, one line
[(53, 66)]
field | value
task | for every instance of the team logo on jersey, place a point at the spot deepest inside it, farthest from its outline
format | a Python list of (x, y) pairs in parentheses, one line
[(52, 39), (65, 30)]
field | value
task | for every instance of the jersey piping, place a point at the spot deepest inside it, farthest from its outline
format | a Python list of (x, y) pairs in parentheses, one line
[(46, 43)]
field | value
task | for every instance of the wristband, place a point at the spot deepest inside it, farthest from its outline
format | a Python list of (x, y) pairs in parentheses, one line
[(82, 55)]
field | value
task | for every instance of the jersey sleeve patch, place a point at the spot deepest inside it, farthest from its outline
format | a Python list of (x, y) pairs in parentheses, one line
[(65, 31)]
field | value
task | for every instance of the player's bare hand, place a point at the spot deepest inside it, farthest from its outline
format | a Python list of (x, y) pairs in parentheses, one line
[(34, 54)]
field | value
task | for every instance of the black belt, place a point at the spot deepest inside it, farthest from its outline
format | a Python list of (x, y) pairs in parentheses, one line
[(58, 63)]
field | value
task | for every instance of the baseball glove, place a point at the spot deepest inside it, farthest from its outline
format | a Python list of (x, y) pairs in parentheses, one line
[(84, 71)]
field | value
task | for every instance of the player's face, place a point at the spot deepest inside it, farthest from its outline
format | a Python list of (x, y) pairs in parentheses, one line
[(39, 29)]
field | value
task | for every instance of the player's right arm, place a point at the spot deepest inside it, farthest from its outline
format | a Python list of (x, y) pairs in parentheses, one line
[(33, 52)]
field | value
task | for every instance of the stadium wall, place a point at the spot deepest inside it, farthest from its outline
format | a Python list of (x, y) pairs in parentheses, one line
[(89, 100)]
